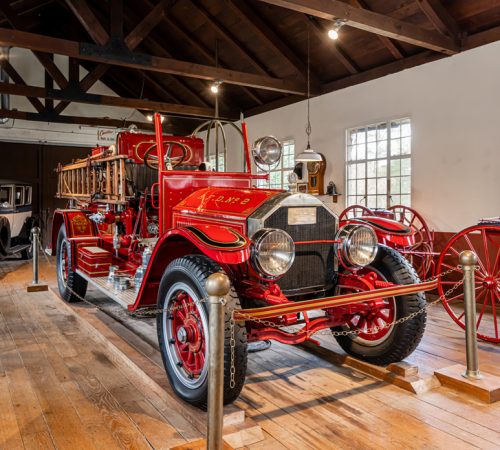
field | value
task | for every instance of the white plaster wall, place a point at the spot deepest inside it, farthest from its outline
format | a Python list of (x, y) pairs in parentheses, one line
[(32, 73), (454, 105)]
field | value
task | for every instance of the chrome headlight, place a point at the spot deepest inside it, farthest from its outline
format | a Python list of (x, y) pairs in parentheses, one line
[(273, 252), (267, 151), (358, 245)]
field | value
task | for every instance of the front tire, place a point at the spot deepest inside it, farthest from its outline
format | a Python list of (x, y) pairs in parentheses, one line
[(397, 341), (72, 287), (183, 331)]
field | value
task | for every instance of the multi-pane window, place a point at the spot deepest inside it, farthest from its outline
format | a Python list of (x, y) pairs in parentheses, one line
[(379, 164), (278, 176), (222, 161)]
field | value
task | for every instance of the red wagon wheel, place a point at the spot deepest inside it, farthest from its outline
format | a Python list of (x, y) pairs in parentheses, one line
[(355, 211), (420, 254), (484, 241)]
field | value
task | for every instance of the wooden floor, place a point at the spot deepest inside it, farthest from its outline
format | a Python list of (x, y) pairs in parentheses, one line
[(60, 388)]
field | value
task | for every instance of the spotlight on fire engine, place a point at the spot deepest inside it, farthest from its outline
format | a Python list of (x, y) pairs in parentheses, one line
[(333, 33), (267, 152), (214, 87)]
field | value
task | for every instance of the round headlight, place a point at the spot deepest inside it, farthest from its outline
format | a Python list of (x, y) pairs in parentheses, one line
[(267, 151), (358, 246), (273, 252)]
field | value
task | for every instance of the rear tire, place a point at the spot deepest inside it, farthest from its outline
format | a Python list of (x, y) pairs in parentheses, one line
[(184, 281), (72, 287), (402, 339)]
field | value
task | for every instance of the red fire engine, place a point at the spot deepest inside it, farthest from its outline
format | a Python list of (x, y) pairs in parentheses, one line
[(149, 220)]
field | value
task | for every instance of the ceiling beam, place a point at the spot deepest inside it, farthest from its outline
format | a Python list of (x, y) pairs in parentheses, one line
[(371, 22), (146, 25), (152, 63), (14, 75), (482, 38), (246, 13), (89, 21), (209, 56), (229, 38), (91, 121), (108, 100), (336, 49), (440, 18), (386, 42)]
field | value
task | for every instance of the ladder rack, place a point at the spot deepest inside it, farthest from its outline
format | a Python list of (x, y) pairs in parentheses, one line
[(102, 180)]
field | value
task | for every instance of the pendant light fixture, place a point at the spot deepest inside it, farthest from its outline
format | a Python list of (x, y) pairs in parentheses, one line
[(308, 154)]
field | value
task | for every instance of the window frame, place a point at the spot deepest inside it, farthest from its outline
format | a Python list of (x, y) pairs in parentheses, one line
[(21, 202), (405, 197)]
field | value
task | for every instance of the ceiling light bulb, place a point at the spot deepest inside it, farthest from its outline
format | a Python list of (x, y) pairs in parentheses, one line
[(333, 34), (214, 89), (149, 117)]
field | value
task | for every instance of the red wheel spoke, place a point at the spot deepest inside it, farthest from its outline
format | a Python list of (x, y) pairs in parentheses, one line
[(454, 298), (486, 251), (482, 309), (461, 315), (475, 251), (495, 323), (201, 357)]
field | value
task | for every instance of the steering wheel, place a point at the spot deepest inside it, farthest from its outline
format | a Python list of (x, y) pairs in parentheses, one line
[(151, 160)]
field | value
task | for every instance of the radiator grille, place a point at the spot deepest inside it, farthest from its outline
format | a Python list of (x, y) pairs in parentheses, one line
[(313, 267)]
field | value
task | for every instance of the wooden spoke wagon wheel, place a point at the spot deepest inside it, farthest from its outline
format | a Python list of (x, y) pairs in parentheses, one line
[(484, 241), (355, 211), (420, 254)]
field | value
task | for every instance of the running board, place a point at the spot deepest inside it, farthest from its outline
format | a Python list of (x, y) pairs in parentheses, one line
[(18, 248), (125, 298)]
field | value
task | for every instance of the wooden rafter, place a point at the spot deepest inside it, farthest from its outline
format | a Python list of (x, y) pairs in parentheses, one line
[(92, 121), (14, 75), (336, 49), (371, 22), (209, 57), (440, 17), (108, 100), (386, 42), (223, 33), (152, 63), (268, 35), (89, 21)]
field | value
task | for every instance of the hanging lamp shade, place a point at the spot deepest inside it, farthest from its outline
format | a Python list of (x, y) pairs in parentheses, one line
[(308, 155)]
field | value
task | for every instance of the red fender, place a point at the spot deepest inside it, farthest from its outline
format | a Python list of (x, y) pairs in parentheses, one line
[(387, 230), (77, 224), (222, 244)]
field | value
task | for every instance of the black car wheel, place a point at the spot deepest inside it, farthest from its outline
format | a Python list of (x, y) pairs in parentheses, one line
[(183, 331), (389, 342)]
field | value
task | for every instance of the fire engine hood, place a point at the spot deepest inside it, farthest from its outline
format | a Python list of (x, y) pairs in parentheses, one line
[(225, 202)]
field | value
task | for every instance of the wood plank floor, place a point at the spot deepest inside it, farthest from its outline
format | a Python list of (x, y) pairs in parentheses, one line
[(59, 389)]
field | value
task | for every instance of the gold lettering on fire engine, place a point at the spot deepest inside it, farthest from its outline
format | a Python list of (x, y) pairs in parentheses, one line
[(232, 200)]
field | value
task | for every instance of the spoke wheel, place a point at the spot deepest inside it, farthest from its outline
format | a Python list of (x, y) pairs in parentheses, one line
[(420, 253), (484, 241), (371, 324), (355, 211), (186, 331)]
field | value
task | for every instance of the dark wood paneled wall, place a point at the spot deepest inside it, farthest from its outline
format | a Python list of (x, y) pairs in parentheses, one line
[(35, 164)]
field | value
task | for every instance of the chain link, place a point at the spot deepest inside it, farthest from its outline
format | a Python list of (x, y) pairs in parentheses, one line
[(151, 312)]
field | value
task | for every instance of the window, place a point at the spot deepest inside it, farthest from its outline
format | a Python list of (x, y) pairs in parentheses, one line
[(278, 176), (28, 195), (19, 195), (222, 161), (379, 164), (5, 196)]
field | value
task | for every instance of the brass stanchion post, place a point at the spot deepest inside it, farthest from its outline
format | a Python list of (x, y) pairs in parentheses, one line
[(217, 286)]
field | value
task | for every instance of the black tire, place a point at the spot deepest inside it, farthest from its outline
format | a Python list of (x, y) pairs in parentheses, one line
[(403, 338), (191, 272), (72, 289)]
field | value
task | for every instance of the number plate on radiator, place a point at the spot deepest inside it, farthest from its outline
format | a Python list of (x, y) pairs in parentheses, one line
[(302, 216)]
